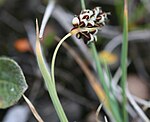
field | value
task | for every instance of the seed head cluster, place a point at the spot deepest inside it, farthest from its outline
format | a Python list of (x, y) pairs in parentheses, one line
[(94, 19)]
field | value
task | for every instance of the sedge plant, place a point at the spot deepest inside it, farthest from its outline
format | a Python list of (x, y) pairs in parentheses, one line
[(113, 105), (85, 32), (78, 30), (49, 78), (86, 26)]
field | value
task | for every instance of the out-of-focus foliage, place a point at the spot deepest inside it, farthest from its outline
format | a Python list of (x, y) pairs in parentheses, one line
[(12, 82)]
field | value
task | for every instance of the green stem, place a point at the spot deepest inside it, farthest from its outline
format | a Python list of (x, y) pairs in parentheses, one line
[(51, 87), (55, 54), (124, 60), (48, 80), (101, 75), (99, 67), (83, 4), (112, 101)]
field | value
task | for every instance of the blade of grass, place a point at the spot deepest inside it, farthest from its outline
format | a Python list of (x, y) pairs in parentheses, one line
[(48, 80), (124, 60)]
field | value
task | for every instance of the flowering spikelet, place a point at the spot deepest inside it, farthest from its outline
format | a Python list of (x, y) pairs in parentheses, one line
[(94, 19)]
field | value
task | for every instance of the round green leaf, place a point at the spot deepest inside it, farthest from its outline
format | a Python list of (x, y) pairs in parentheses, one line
[(12, 82)]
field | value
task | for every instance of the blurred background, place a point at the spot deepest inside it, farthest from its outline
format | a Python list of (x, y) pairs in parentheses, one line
[(17, 36)]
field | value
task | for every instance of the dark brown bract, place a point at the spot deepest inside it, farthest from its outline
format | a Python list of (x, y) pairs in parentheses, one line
[(94, 19)]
